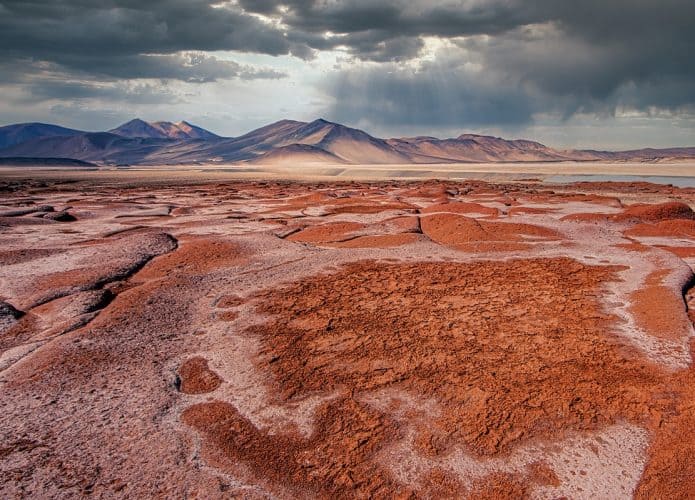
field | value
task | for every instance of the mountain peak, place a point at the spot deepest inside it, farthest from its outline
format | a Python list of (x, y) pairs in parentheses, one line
[(162, 130), (137, 128)]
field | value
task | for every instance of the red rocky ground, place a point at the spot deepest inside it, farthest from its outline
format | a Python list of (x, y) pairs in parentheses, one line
[(394, 339)]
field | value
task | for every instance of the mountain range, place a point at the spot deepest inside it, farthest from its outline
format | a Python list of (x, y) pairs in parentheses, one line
[(138, 142)]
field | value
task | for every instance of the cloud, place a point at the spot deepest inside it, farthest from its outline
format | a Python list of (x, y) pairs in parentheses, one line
[(437, 94), (192, 67), (53, 90), (129, 39), (47, 30), (508, 82), (597, 45), (507, 63), (500, 63), (559, 61)]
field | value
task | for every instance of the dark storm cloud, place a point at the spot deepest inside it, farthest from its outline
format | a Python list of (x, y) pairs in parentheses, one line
[(593, 48), (535, 56), (195, 67), (389, 30), (47, 29), (394, 18), (192, 67), (134, 39), (508, 60), (449, 92), (647, 35), (613, 22)]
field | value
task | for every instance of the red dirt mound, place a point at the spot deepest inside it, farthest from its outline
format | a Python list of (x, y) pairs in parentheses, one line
[(396, 346), (195, 255), (639, 213), (655, 213), (336, 462), (682, 252), (449, 229), (654, 308), (664, 229), (389, 233), (196, 377)]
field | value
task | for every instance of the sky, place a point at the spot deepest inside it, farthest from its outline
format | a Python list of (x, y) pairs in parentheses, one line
[(609, 74)]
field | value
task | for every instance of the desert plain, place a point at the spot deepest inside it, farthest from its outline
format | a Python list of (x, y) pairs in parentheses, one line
[(209, 335)]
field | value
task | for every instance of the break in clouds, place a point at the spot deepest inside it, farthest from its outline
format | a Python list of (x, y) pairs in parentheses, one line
[(499, 65)]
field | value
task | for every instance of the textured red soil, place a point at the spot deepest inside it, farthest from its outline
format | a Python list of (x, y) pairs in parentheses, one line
[(667, 228), (423, 333), (656, 213), (8, 257), (196, 256), (400, 339), (196, 377), (333, 462), (640, 213), (652, 305), (683, 252), (450, 229)]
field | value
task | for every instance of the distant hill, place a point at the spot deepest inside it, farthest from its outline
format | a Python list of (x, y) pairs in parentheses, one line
[(138, 142), (101, 147), (44, 162), (477, 148), (346, 144), (22, 132)]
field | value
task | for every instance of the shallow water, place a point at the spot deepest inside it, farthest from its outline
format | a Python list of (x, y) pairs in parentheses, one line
[(682, 181)]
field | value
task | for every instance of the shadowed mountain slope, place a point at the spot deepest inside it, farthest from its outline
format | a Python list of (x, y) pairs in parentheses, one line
[(22, 132)]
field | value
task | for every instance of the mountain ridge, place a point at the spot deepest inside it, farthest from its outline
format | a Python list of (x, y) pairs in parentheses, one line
[(162, 130), (138, 142)]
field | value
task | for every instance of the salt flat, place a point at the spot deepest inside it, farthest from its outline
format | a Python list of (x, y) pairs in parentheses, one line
[(323, 171)]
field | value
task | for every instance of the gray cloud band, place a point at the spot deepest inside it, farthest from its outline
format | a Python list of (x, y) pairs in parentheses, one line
[(532, 56)]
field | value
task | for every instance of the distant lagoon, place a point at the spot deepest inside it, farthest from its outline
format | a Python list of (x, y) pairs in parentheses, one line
[(681, 181)]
